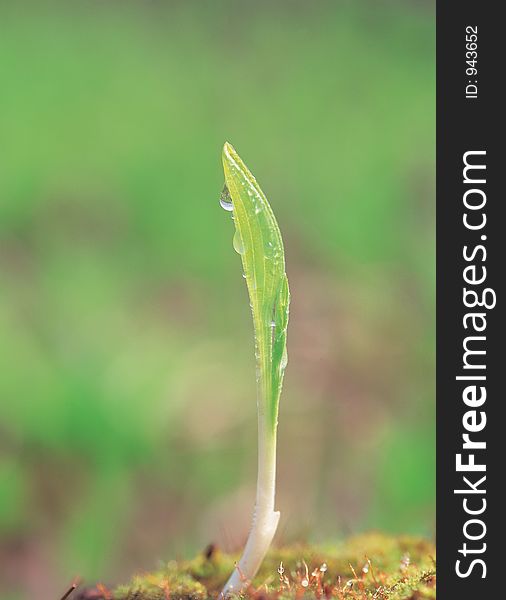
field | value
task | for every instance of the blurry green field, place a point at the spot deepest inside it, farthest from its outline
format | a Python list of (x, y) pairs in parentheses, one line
[(127, 410)]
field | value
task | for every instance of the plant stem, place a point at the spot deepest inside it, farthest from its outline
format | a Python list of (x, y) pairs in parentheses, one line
[(265, 518)]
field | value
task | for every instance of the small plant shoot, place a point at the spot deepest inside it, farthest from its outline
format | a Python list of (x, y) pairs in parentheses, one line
[(258, 240)]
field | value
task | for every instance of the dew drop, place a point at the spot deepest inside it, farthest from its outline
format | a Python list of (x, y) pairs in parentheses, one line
[(284, 360), (238, 243), (225, 199)]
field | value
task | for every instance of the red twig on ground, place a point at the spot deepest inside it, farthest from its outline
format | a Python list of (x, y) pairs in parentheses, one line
[(76, 582)]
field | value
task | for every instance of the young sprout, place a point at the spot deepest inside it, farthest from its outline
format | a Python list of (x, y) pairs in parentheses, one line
[(258, 240)]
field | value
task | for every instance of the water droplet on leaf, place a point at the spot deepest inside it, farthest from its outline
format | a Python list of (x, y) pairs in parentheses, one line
[(225, 199), (238, 243), (284, 359)]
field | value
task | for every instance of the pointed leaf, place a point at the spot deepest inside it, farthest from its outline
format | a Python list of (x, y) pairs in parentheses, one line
[(258, 241)]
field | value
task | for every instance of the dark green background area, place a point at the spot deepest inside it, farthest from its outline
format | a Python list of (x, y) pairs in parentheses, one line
[(127, 400)]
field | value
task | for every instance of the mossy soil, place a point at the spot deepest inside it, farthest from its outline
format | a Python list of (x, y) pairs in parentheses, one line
[(372, 566)]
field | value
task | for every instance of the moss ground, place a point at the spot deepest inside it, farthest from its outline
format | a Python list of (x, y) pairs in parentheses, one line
[(372, 566)]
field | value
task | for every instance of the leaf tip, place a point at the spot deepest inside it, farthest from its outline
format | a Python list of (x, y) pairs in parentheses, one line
[(228, 150)]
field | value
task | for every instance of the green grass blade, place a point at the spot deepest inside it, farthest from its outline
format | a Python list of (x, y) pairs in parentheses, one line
[(258, 241)]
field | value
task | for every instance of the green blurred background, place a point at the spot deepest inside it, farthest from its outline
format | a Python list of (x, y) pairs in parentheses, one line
[(127, 401)]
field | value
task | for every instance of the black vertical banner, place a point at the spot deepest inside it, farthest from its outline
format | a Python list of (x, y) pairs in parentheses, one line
[(471, 256)]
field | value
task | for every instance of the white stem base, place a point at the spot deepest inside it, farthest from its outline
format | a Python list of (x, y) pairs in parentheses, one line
[(260, 538)]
